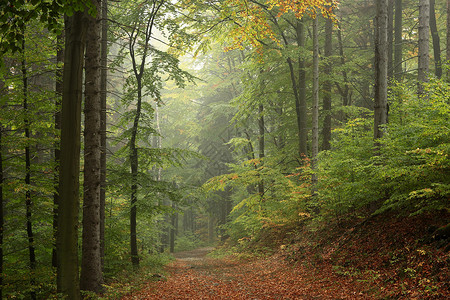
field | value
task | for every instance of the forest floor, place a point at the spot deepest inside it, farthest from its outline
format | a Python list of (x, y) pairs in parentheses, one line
[(383, 257), (194, 276)]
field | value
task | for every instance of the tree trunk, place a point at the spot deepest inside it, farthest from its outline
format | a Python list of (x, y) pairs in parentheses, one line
[(28, 202), (103, 94), (326, 131), (301, 110), (424, 33), (57, 116), (380, 112), (436, 41), (390, 38), (91, 278), (134, 178), (68, 209), (261, 148), (315, 104), (448, 37), (398, 57), (2, 213)]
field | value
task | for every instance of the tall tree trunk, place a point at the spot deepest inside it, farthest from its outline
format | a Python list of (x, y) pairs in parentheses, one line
[(398, 57), (28, 202), (390, 38), (315, 104), (57, 117), (261, 147), (2, 213), (68, 209), (134, 179), (326, 131), (103, 94), (436, 41), (344, 91), (91, 278), (380, 112), (447, 52), (424, 33), (301, 109)]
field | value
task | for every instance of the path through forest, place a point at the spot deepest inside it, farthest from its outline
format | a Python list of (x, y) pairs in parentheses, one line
[(195, 276)]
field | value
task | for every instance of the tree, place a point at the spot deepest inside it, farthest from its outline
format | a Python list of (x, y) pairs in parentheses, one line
[(68, 209), (423, 54), (327, 85), (380, 100), (28, 202), (103, 94), (398, 41), (315, 105), (91, 278), (436, 41)]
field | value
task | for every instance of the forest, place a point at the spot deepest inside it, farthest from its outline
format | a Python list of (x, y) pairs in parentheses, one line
[(303, 143)]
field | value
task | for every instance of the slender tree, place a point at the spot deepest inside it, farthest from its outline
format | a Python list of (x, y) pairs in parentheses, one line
[(327, 85), (91, 278), (436, 41), (398, 42), (56, 152), (28, 201), (315, 105), (381, 75), (103, 94), (424, 33)]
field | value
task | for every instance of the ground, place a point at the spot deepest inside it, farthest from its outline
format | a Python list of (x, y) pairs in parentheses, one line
[(195, 276), (388, 256)]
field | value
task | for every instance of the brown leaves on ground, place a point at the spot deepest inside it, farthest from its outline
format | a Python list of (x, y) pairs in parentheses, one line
[(271, 278)]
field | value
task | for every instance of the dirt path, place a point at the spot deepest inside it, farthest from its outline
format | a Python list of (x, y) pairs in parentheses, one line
[(194, 276)]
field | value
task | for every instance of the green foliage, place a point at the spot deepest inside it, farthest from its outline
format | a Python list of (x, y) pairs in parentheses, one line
[(411, 170)]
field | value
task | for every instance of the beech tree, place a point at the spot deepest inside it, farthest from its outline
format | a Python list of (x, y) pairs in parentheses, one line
[(91, 278), (423, 52), (381, 78)]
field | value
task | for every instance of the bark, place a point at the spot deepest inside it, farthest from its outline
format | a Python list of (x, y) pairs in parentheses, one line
[(315, 105), (380, 107), (345, 91), (28, 202), (447, 52), (261, 147), (301, 109), (390, 38), (2, 213), (56, 153), (68, 209), (91, 278), (424, 59), (326, 131), (398, 57), (103, 81), (436, 41)]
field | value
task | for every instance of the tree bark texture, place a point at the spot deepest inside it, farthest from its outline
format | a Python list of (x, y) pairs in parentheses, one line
[(68, 210), (390, 38), (447, 50), (91, 278), (301, 109), (398, 42), (28, 202), (57, 152), (381, 69), (103, 87), (327, 84), (436, 41), (315, 105), (424, 37)]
